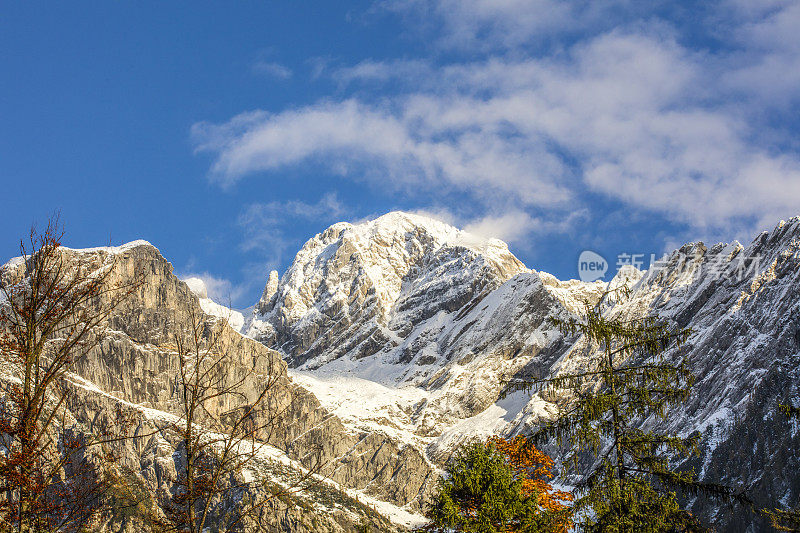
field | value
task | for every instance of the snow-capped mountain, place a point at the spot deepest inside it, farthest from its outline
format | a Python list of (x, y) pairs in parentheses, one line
[(367, 285), (407, 326), (436, 316), (401, 335)]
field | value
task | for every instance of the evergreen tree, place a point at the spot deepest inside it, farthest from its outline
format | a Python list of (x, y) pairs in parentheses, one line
[(630, 485), (485, 491)]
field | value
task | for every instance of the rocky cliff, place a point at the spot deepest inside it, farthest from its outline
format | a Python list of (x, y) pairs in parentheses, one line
[(134, 367)]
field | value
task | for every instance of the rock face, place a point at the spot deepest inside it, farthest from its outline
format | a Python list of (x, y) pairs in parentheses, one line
[(743, 306), (135, 366), (425, 323)]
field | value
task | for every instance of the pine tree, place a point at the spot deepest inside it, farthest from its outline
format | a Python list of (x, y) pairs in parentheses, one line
[(496, 487), (631, 484)]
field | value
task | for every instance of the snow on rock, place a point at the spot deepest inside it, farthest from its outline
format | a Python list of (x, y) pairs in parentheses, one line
[(365, 404), (265, 456), (113, 249), (197, 286), (742, 306), (365, 285), (573, 293), (269, 291), (15, 262)]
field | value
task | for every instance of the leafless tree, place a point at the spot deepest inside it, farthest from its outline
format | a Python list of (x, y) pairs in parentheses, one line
[(229, 411), (53, 306)]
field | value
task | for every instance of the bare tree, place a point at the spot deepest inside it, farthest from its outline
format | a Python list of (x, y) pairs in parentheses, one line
[(229, 411), (52, 309)]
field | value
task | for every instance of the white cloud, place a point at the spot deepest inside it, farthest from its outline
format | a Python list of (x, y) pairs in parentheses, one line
[(220, 290), (628, 113), (424, 144), (516, 226), (439, 213), (505, 24), (769, 65), (381, 71), (508, 227)]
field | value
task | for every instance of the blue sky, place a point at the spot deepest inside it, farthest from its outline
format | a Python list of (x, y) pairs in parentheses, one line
[(229, 133)]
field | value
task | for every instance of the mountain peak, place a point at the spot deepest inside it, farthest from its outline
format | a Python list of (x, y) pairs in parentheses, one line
[(376, 269), (403, 226), (399, 220)]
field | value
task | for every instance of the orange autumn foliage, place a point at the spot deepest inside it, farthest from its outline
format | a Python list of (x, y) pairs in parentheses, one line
[(535, 469)]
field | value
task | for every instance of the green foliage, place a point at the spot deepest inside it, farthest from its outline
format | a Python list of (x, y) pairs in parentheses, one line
[(636, 506), (628, 487), (481, 493)]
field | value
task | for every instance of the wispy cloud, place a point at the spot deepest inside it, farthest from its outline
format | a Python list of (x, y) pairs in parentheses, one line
[(264, 225), (768, 66), (221, 290), (423, 144), (515, 226), (508, 227), (380, 71), (487, 25), (272, 69), (624, 109)]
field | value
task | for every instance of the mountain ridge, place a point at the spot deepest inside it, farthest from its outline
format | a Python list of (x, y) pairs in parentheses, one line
[(389, 376)]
